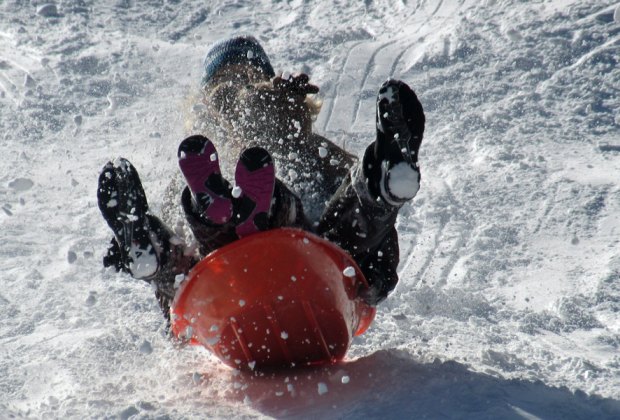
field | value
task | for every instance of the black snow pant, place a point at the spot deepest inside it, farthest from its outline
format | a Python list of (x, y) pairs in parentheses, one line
[(364, 227), (360, 224), (353, 219)]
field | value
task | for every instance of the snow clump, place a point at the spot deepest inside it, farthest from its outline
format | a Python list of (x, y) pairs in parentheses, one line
[(349, 271)]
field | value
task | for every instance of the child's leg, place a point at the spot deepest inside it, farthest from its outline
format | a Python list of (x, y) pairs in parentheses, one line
[(219, 214), (255, 178), (209, 236), (364, 227), (142, 245), (362, 213), (264, 202), (207, 200), (391, 161), (286, 211), (211, 193)]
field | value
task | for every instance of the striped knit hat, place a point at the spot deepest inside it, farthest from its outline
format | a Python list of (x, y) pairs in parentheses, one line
[(238, 50)]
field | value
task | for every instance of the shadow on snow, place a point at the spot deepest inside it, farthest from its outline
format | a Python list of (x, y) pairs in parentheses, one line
[(391, 384)]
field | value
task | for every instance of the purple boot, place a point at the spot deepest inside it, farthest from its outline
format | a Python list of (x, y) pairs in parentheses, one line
[(199, 163), (253, 193)]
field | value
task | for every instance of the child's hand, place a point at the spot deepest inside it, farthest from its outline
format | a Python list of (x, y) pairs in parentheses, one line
[(296, 84)]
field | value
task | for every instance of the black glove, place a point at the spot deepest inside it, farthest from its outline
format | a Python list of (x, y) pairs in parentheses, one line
[(113, 257), (297, 84)]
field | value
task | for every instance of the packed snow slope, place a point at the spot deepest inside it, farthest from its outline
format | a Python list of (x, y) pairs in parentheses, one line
[(509, 299)]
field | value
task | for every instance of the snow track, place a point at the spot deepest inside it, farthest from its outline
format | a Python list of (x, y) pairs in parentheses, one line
[(508, 304), (368, 64)]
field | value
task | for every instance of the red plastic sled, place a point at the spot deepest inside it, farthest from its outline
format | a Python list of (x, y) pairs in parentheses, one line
[(279, 298)]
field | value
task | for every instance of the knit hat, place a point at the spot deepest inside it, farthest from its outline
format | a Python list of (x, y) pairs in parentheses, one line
[(238, 50)]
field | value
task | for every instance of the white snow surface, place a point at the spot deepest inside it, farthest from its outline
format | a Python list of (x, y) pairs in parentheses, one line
[(509, 300)]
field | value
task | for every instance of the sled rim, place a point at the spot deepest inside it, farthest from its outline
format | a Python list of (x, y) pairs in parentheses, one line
[(360, 315)]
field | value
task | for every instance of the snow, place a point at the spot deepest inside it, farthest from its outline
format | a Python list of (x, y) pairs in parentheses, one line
[(21, 184), (403, 181), (48, 10), (349, 272), (500, 312), (144, 262), (178, 279), (236, 191)]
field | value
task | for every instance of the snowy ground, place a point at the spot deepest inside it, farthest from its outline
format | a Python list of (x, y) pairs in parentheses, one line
[(509, 303)]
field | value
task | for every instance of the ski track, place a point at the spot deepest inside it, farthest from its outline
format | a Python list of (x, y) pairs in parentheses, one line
[(361, 89), (332, 101), (550, 203), (432, 258), (372, 76), (361, 105), (508, 301)]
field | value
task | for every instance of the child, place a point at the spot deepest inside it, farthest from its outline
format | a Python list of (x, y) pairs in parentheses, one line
[(286, 175)]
